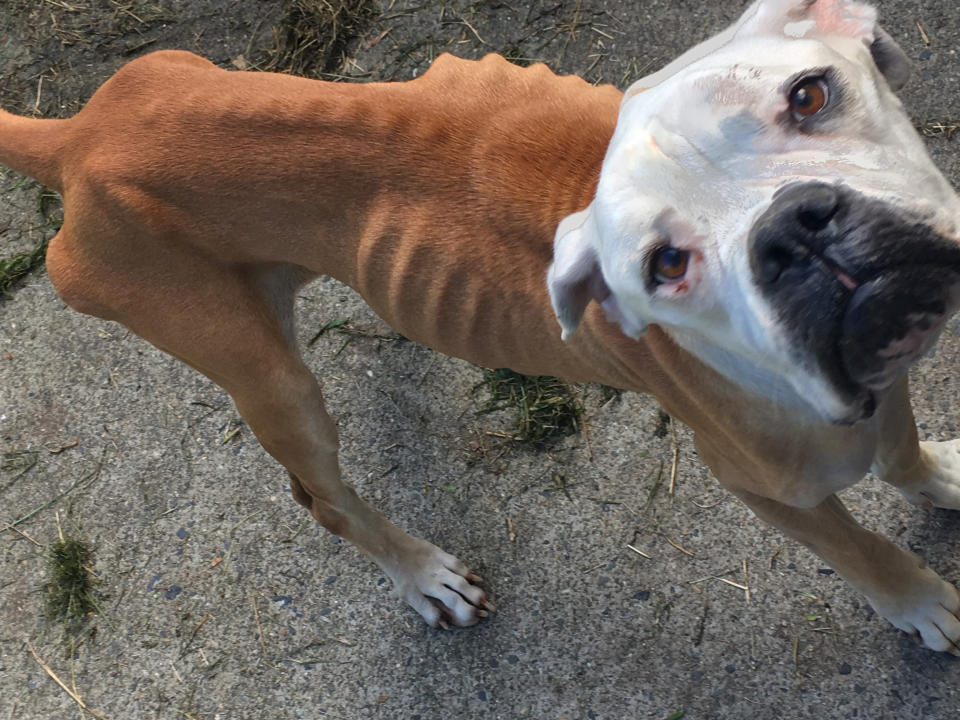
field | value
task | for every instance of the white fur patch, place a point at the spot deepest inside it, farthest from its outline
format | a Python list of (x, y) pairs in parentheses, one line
[(699, 156), (572, 222), (799, 29)]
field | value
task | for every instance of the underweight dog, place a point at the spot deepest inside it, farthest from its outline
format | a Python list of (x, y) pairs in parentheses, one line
[(754, 234)]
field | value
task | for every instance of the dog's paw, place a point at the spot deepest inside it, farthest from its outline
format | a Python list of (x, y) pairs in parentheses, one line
[(928, 608), (439, 587), (941, 487)]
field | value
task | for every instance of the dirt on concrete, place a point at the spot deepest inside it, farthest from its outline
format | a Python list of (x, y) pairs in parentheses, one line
[(220, 598)]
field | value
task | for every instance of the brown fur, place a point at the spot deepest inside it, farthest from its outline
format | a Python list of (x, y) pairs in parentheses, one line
[(198, 200)]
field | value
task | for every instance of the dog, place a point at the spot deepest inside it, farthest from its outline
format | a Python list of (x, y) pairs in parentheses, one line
[(754, 234)]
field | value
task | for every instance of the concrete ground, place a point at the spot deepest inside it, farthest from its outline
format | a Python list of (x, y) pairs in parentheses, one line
[(222, 600)]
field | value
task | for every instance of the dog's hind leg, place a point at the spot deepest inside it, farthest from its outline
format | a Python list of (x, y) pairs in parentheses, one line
[(234, 324), (925, 472)]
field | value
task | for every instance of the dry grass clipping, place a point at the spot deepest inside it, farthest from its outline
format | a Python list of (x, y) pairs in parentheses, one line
[(940, 128), (312, 36), (545, 407)]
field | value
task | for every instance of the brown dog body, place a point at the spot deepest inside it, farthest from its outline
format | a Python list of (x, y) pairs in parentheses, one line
[(197, 202)]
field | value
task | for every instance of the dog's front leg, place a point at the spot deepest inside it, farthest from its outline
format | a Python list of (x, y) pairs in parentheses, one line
[(927, 473), (898, 584), (303, 437)]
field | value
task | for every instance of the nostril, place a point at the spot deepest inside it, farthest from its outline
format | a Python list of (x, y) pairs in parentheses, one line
[(817, 208), (774, 260), (789, 239), (815, 220)]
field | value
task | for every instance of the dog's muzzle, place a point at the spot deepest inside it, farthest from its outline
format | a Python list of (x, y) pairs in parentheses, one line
[(861, 287)]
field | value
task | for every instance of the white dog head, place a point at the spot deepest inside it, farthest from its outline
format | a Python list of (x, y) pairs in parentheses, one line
[(766, 200)]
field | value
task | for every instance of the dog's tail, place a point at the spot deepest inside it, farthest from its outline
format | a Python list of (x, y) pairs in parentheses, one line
[(32, 146)]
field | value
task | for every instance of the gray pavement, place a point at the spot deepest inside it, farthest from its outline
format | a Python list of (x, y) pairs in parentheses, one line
[(223, 601)]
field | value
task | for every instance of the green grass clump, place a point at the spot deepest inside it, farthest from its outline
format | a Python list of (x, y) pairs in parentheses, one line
[(69, 588), (14, 268), (545, 407)]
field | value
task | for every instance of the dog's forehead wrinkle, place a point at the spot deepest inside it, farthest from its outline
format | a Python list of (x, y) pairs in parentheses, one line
[(732, 92)]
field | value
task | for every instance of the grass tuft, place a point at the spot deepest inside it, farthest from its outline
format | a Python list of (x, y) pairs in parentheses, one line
[(14, 268), (69, 589), (545, 407), (312, 36)]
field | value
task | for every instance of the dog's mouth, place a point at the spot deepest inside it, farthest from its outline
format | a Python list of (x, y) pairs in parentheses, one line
[(888, 322), (892, 320), (862, 288)]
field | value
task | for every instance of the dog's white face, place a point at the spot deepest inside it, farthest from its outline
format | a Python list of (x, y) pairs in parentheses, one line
[(768, 202)]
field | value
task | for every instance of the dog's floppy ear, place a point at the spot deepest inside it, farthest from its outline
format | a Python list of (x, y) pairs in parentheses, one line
[(847, 18), (574, 277), (807, 18), (892, 62)]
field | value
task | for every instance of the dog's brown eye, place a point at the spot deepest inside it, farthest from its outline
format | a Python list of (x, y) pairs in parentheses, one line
[(808, 97), (669, 264)]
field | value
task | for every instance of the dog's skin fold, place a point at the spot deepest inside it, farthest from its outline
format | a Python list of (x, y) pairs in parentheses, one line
[(198, 201)]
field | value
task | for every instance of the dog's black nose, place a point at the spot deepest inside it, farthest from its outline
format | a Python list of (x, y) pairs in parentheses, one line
[(861, 285), (798, 225), (816, 206)]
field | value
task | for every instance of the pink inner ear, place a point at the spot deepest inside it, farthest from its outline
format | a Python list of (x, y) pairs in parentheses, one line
[(850, 19)]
